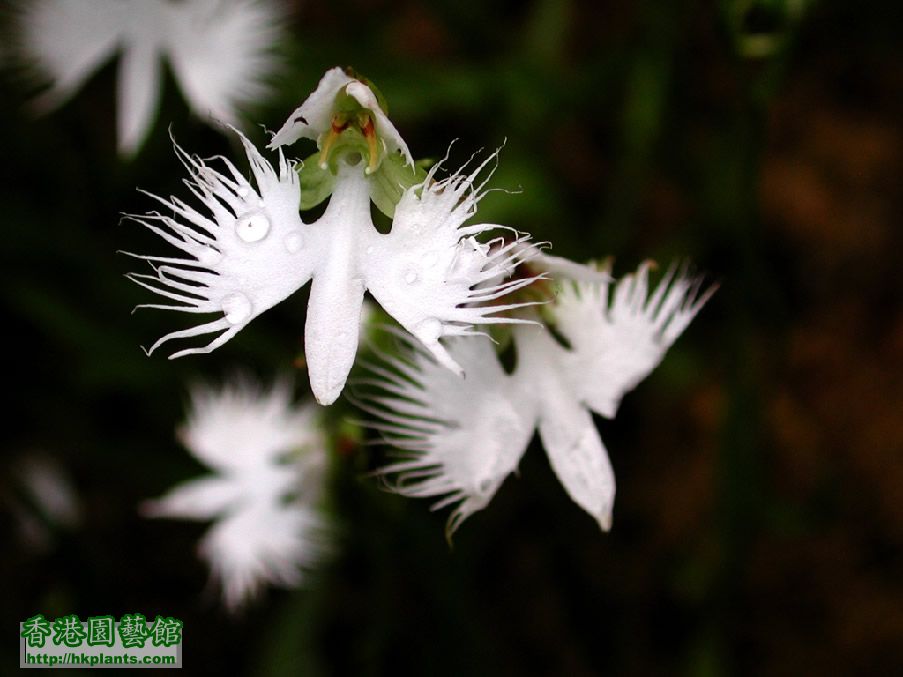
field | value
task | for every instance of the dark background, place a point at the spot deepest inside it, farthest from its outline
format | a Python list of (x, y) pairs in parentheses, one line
[(758, 526)]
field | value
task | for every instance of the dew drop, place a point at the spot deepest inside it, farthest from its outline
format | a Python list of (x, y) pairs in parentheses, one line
[(428, 330), (293, 242), (252, 227), (244, 191), (208, 256), (410, 277), (237, 308)]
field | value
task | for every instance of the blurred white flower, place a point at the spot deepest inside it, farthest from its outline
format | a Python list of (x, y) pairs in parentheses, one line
[(45, 501), (268, 460), (221, 52), (250, 249), (460, 439)]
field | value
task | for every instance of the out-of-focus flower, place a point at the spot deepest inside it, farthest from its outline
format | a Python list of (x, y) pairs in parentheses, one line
[(44, 500), (250, 249), (268, 460), (460, 439), (221, 52)]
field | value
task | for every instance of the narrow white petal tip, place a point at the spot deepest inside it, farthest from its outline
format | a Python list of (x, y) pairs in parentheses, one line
[(604, 521), (326, 391), (329, 396), (151, 508), (443, 358)]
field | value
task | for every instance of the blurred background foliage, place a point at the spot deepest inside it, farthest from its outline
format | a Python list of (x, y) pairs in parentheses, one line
[(758, 527)]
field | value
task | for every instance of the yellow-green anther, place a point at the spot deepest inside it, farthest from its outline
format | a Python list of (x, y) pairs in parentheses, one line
[(339, 125), (369, 131)]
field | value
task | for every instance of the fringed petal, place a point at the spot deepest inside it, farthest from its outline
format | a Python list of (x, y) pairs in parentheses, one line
[(267, 544), (432, 275), (248, 248), (461, 437), (222, 53), (615, 343), (240, 425)]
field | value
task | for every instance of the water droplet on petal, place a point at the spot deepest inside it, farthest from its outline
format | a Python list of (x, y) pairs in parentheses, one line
[(429, 329), (293, 242), (244, 191), (371, 249), (484, 486), (410, 277), (252, 227), (237, 308), (208, 256)]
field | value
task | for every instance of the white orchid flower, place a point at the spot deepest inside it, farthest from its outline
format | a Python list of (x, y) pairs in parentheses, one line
[(249, 249), (220, 52), (268, 459), (460, 440)]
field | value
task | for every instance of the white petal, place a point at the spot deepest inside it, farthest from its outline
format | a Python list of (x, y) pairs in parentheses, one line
[(384, 127), (565, 426), (222, 52), (263, 544), (240, 426), (462, 437), (616, 344), (331, 334), (429, 271), (138, 94), (314, 116), (562, 269), (48, 489), (337, 292), (199, 499), (67, 40), (248, 247), (578, 458)]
